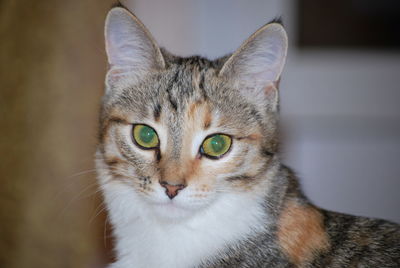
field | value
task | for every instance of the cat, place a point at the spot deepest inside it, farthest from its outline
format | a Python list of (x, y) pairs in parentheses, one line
[(188, 163)]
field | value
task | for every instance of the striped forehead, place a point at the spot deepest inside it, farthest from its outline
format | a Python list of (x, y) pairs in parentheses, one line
[(183, 109), (185, 125)]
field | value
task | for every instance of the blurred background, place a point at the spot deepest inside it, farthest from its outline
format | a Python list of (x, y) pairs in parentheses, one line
[(340, 96)]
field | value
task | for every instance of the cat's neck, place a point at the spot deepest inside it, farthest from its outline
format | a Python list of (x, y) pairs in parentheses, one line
[(144, 241)]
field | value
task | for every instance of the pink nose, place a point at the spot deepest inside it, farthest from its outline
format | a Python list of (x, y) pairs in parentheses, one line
[(172, 189)]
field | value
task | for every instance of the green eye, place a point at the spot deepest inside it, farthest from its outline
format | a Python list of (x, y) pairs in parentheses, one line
[(216, 145), (145, 136)]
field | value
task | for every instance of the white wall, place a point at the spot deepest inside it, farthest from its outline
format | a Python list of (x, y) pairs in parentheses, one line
[(341, 108)]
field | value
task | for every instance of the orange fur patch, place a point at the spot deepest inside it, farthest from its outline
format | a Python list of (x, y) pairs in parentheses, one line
[(200, 111), (207, 118), (254, 136), (193, 168), (180, 172), (193, 108), (301, 232), (113, 161)]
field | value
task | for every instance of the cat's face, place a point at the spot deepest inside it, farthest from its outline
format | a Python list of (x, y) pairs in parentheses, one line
[(180, 134)]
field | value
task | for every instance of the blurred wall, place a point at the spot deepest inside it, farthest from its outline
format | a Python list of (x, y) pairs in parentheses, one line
[(340, 109), (52, 66)]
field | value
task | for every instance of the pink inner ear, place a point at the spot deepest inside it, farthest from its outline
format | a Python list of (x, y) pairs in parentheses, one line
[(271, 93), (116, 73), (271, 89)]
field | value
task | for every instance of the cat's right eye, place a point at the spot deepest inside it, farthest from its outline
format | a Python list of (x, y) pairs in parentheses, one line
[(216, 145), (145, 137)]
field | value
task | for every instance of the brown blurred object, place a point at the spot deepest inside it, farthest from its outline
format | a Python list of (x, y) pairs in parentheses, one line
[(348, 24), (52, 66)]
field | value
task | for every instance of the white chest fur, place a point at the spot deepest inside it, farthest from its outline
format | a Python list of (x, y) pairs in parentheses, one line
[(145, 242)]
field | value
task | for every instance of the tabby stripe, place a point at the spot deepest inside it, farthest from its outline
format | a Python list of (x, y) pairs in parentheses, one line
[(125, 150), (157, 112), (201, 86), (341, 232), (239, 178), (106, 126), (266, 153), (256, 115), (171, 83)]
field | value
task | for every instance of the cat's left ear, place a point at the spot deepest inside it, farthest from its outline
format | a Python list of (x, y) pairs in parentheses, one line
[(257, 65)]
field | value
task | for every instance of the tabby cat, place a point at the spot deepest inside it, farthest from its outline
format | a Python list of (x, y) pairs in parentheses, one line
[(189, 165)]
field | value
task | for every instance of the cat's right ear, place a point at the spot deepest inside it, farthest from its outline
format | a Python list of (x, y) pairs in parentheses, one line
[(131, 50), (257, 65)]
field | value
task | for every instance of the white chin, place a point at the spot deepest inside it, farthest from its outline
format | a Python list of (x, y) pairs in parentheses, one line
[(171, 211)]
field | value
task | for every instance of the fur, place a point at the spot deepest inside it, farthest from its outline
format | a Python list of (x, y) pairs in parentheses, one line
[(244, 209)]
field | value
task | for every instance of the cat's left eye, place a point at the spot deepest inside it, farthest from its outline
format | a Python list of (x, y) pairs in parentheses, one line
[(145, 137), (216, 146)]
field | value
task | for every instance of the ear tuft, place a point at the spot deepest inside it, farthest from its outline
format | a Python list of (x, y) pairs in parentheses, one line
[(131, 50), (277, 20)]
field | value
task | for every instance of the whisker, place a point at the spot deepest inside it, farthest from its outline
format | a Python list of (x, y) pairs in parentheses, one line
[(67, 187), (80, 173), (75, 198), (105, 231), (102, 207), (81, 196)]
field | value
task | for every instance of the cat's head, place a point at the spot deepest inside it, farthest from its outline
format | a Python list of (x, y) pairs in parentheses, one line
[(180, 134)]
